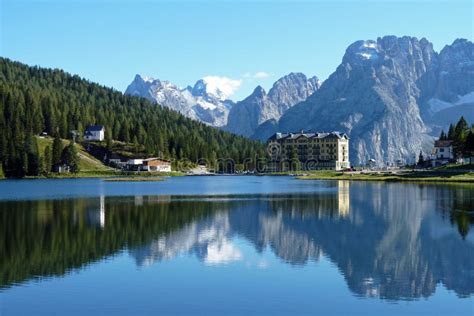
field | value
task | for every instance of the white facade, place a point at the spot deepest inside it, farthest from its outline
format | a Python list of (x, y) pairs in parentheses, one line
[(160, 168), (135, 162), (443, 150), (95, 133)]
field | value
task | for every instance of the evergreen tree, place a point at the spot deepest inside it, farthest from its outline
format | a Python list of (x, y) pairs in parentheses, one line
[(443, 136), (57, 150), (71, 157), (2, 174), (421, 159), (108, 139), (47, 160), (469, 147), (34, 99), (460, 132), (451, 132), (31, 156), (295, 162)]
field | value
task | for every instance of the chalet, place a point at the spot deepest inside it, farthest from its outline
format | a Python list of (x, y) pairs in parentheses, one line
[(154, 164), (94, 133), (149, 164), (442, 152)]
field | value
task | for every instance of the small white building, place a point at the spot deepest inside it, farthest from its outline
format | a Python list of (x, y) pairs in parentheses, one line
[(149, 164), (442, 152), (94, 133), (155, 164), (443, 149)]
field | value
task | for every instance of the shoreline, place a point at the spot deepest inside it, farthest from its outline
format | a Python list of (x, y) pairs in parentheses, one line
[(432, 176), (406, 176)]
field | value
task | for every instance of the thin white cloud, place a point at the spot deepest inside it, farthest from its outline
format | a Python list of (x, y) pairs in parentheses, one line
[(221, 87), (257, 75), (261, 75)]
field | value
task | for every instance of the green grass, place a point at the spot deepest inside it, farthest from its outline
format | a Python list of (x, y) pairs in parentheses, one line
[(456, 167), (134, 179), (87, 163), (415, 176)]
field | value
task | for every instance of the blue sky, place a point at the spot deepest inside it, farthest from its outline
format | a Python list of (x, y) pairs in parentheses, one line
[(255, 42)]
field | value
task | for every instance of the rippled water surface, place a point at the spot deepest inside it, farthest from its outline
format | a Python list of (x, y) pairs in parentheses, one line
[(235, 245)]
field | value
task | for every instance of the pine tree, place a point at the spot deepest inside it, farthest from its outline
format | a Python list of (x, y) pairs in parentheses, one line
[(34, 99), (57, 150), (469, 146), (31, 156), (421, 159), (442, 136), (71, 157), (108, 139), (295, 162), (459, 139), (451, 132), (47, 160)]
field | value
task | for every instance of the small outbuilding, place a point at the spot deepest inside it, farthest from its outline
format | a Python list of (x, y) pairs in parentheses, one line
[(149, 164), (443, 153), (94, 133)]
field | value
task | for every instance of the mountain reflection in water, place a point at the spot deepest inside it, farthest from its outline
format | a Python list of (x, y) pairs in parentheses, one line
[(392, 241)]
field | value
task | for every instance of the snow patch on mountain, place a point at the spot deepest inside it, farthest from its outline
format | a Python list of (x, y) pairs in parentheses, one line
[(206, 101), (437, 105), (220, 87)]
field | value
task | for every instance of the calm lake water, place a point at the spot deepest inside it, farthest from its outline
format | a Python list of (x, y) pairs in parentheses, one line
[(235, 245)]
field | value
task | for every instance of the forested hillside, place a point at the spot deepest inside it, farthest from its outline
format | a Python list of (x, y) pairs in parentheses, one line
[(34, 99)]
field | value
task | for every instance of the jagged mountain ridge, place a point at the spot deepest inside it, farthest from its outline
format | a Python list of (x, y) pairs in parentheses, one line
[(246, 116), (206, 102), (382, 96), (392, 96), (203, 102)]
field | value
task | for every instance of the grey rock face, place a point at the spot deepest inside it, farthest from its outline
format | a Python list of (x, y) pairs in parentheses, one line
[(449, 87), (245, 117), (377, 96), (265, 130), (197, 103)]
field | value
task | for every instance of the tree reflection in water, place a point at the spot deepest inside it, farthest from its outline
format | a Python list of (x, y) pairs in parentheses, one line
[(393, 241)]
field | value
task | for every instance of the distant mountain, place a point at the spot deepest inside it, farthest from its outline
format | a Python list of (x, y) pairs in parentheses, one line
[(385, 94), (392, 96), (204, 102), (449, 86), (208, 102), (259, 107)]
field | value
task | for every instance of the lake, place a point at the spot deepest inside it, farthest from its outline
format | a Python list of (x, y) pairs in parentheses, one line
[(228, 245)]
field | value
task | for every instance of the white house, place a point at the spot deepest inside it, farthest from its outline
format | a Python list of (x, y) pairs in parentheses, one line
[(149, 164), (442, 152), (94, 133), (155, 164), (443, 149)]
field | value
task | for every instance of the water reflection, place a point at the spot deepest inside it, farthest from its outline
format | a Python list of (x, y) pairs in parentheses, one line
[(392, 241)]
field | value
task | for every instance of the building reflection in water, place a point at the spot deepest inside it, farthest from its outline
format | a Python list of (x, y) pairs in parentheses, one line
[(343, 194), (96, 213), (392, 241)]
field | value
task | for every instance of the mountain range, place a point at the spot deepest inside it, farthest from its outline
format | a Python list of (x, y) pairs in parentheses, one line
[(392, 96)]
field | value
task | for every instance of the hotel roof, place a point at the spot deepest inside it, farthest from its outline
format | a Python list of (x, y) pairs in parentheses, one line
[(319, 135)]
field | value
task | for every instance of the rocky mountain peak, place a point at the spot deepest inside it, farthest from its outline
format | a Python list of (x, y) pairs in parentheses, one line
[(259, 107), (199, 88), (258, 92), (378, 96)]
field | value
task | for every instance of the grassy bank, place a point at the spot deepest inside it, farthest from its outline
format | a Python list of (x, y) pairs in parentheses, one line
[(134, 179), (109, 174), (414, 176)]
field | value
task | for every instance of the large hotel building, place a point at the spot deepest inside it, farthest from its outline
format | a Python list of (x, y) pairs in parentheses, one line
[(311, 151)]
